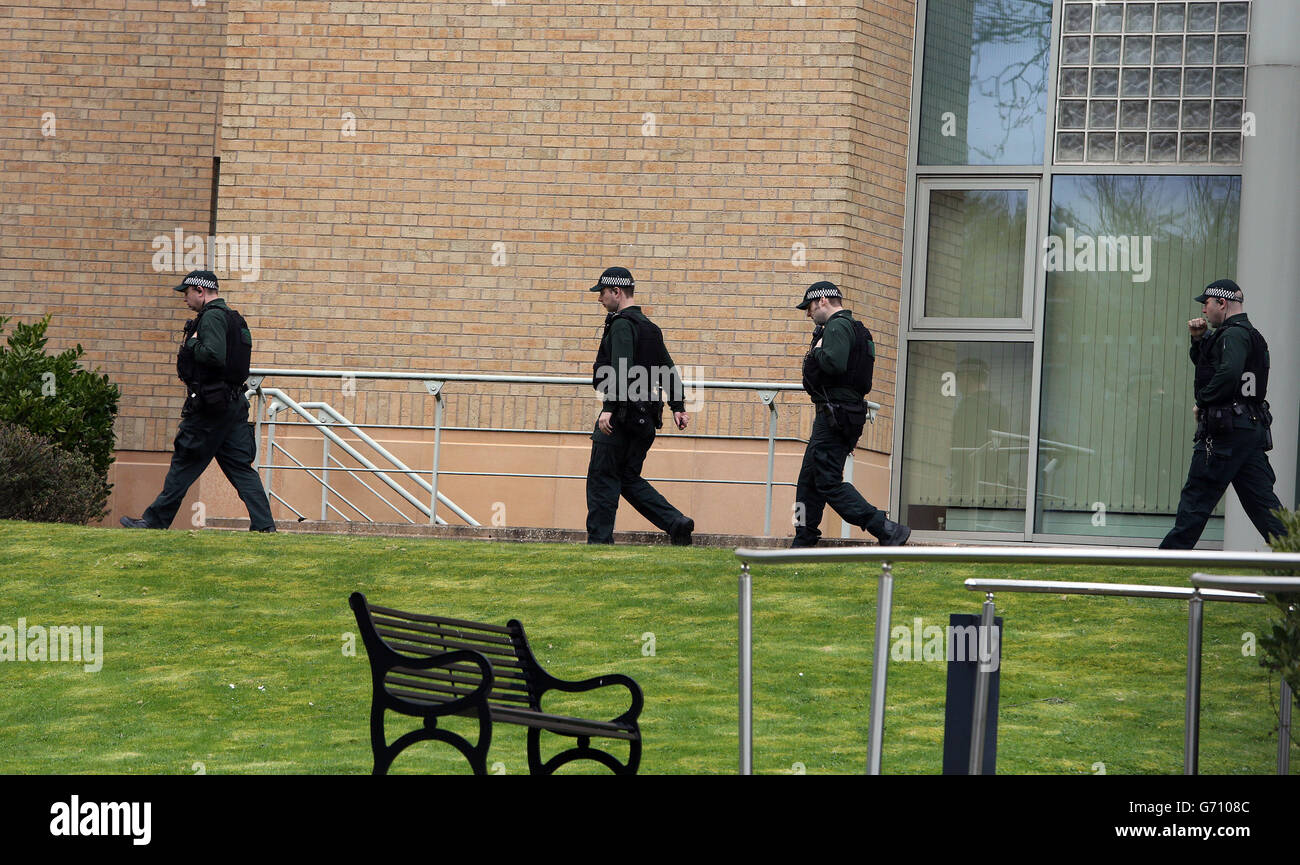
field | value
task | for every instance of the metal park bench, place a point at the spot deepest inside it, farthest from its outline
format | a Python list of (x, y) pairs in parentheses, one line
[(429, 666)]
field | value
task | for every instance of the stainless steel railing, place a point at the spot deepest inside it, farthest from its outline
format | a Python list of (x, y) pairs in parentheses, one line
[(888, 556), (435, 384)]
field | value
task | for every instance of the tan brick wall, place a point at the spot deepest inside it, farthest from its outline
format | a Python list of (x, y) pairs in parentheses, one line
[(522, 125), (514, 130), (134, 88)]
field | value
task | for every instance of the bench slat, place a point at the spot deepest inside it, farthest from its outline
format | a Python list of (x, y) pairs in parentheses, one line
[(531, 718), (434, 630), (421, 617), (423, 646)]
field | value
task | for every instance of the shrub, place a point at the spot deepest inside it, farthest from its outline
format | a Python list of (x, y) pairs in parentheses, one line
[(42, 482), (54, 397)]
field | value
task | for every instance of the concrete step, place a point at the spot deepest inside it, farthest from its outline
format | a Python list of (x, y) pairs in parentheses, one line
[(515, 533)]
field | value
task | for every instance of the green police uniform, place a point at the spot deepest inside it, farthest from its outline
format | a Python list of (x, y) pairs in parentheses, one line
[(1233, 434), (214, 423), (631, 370), (837, 376)]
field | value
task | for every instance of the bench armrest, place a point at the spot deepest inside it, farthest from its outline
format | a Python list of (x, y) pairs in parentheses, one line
[(460, 656), (630, 716)]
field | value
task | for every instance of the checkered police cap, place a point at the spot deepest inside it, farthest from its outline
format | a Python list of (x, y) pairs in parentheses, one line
[(1222, 288), (204, 279), (816, 290), (615, 277)]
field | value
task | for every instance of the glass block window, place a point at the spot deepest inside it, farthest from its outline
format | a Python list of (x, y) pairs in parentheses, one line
[(1151, 82)]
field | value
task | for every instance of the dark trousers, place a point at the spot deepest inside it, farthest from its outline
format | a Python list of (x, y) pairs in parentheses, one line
[(615, 470), (821, 483), (1238, 459), (229, 438)]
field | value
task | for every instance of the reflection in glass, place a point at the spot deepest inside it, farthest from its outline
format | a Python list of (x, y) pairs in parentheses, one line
[(1230, 82), (1116, 396), (1074, 82), (1105, 82), (1140, 17), (1110, 18), (1195, 147), (1170, 18), (1132, 146), (1168, 82), (1232, 17), (965, 438), (1069, 147), (1232, 49), (1197, 82), (1136, 82), (1200, 49), (1200, 17), (1169, 50), (1164, 147), (985, 72), (1101, 146), (975, 256)]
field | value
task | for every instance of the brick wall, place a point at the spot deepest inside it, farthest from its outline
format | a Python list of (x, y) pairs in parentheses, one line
[(436, 185), (433, 186), (133, 89)]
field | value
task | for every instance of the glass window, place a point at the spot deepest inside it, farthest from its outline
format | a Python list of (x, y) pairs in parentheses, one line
[(976, 244), (965, 437), (1139, 50), (984, 81), (1126, 256)]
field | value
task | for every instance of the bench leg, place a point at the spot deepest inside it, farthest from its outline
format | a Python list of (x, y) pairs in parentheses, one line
[(583, 751), (385, 753)]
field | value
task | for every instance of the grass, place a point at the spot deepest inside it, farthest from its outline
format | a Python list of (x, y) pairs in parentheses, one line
[(188, 615)]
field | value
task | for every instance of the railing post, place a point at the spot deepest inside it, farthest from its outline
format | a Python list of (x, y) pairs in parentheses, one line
[(1192, 733), (1285, 698), (746, 661), (848, 479), (270, 442), (255, 382), (983, 675), (769, 399), (880, 668), (323, 417), (435, 388)]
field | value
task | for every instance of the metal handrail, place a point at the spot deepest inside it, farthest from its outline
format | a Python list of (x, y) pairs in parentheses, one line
[(887, 556), (284, 399), (1195, 597), (1271, 585), (434, 383)]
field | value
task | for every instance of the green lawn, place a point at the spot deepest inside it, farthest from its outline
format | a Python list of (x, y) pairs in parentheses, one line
[(188, 615)]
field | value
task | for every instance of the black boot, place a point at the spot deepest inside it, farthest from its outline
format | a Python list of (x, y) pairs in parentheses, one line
[(893, 534), (681, 532)]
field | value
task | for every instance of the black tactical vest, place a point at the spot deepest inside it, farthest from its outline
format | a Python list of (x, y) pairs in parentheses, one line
[(239, 350), (857, 374), (650, 366), (1253, 386)]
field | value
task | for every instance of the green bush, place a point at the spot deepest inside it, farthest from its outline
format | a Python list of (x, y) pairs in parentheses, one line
[(54, 397), (42, 482), (1280, 647)]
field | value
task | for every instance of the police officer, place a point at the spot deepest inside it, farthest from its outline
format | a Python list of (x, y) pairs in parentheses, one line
[(632, 366), (837, 375), (213, 362), (1232, 420)]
